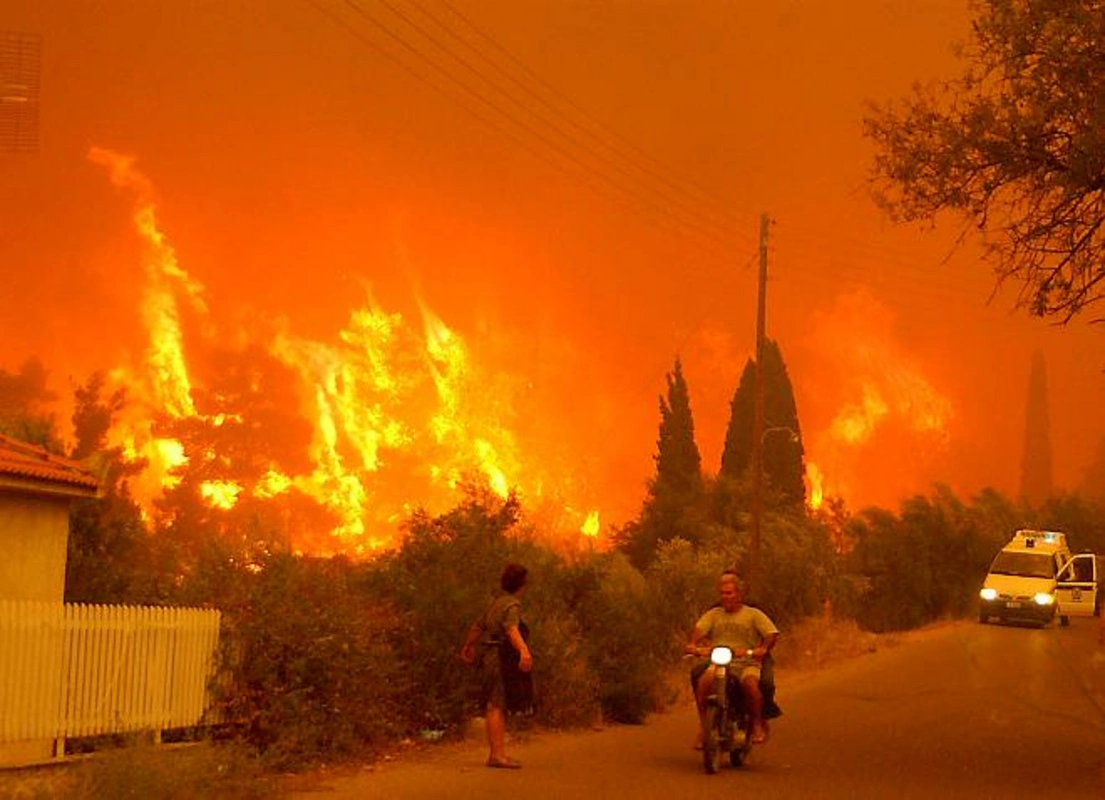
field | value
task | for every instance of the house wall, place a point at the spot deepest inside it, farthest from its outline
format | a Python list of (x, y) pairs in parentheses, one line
[(33, 535)]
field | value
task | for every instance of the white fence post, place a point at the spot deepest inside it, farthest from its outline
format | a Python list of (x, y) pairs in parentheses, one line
[(82, 670)]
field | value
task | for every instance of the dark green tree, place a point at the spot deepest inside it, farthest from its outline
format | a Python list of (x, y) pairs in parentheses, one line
[(1016, 145), (674, 506), (678, 463), (25, 402), (784, 467), (1081, 518), (1036, 485)]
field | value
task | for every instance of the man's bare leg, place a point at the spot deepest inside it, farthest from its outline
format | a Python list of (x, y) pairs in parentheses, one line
[(701, 694), (751, 688)]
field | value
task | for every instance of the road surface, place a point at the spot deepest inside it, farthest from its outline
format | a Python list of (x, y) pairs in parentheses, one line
[(964, 711)]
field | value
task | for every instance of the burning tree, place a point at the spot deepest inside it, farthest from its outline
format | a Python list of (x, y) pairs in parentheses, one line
[(1016, 146)]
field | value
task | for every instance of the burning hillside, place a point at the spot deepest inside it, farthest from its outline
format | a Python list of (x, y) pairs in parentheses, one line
[(381, 417)]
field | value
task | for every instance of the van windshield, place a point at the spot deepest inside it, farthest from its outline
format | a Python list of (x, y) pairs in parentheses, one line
[(1026, 565)]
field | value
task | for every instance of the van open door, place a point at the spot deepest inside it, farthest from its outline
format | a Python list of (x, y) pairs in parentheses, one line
[(1076, 593)]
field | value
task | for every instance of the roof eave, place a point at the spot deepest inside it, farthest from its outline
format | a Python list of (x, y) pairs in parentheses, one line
[(15, 484)]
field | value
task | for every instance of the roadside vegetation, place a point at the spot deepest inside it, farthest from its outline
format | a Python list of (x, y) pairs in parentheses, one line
[(325, 659)]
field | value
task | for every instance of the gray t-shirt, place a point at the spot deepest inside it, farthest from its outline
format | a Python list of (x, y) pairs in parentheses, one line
[(504, 612), (742, 630)]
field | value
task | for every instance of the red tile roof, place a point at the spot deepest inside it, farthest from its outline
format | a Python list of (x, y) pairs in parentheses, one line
[(27, 461)]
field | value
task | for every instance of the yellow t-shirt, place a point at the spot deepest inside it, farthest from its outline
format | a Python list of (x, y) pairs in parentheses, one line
[(742, 630)]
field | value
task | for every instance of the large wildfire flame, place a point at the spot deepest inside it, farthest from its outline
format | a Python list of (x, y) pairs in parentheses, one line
[(884, 397), (385, 417)]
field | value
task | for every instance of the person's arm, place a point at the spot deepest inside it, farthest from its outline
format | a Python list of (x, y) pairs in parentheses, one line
[(525, 660), (768, 642), (468, 649), (699, 633)]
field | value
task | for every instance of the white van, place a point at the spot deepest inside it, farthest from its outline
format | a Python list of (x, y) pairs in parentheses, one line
[(1035, 578)]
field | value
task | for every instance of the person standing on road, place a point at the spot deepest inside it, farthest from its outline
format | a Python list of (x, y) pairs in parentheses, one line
[(496, 645)]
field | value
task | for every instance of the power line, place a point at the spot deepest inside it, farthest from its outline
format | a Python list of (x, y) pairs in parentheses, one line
[(694, 214), (607, 137), (513, 119), (594, 177), (807, 232)]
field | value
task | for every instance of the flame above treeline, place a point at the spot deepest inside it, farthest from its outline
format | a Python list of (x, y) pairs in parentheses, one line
[(382, 417), (889, 415), (385, 418)]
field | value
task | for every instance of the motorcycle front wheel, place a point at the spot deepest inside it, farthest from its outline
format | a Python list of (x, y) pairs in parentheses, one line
[(741, 743), (711, 742)]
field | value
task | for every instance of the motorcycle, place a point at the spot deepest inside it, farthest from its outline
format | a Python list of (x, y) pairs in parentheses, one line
[(727, 724)]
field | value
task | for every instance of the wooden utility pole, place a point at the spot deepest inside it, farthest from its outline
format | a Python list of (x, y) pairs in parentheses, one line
[(753, 578)]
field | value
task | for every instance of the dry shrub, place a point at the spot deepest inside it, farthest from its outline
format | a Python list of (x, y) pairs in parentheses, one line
[(191, 772), (816, 642), (36, 783)]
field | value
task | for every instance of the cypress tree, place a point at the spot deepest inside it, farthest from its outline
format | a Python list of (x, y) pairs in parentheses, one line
[(674, 502), (784, 466), (1036, 482), (678, 463)]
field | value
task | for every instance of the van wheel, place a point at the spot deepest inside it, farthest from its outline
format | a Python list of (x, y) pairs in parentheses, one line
[(1064, 620), (983, 617)]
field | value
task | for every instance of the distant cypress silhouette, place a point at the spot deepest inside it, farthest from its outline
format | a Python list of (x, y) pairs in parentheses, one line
[(1036, 481)]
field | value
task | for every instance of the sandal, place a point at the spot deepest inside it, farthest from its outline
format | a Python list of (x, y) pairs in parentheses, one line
[(504, 763)]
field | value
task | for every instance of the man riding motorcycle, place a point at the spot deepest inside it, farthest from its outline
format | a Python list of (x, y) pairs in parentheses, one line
[(745, 630)]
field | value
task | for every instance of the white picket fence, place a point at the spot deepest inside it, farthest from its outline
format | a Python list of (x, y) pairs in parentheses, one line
[(82, 670)]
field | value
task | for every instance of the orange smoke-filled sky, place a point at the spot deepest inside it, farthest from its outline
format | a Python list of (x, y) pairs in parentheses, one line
[(299, 168)]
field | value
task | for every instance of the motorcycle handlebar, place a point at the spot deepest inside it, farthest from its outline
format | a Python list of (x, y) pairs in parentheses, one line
[(704, 652)]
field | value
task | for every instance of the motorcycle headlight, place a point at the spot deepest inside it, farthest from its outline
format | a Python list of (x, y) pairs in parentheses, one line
[(988, 594), (1044, 599), (721, 656)]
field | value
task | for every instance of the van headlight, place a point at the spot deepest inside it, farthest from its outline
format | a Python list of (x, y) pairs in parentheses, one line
[(721, 656), (988, 593), (1044, 598)]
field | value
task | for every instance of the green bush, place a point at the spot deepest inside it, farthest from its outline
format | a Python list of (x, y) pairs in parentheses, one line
[(566, 687), (439, 582), (314, 671), (625, 642)]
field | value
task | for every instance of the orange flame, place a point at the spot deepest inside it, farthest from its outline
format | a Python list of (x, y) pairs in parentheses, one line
[(394, 419), (885, 393), (221, 494), (815, 490)]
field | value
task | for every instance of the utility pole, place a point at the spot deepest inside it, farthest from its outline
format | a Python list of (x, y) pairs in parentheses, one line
[(753, 578)]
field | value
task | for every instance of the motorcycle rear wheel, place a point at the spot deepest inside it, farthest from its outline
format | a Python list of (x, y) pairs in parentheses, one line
[(711, 745)]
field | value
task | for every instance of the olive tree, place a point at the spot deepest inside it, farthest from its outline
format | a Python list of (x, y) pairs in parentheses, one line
[(1016, 145)]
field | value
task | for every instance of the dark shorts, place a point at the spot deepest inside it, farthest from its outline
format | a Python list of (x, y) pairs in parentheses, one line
[(500, 684)]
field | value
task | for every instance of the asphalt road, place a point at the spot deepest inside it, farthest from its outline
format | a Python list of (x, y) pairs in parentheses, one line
[(963, 711)]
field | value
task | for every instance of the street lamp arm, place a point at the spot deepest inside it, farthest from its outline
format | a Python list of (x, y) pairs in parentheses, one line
[(777, 428)]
